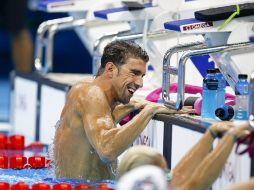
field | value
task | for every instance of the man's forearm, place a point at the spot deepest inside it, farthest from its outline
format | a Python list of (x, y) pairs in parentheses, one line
[(185, 167), (118, 139), (246, 185), (210, 168), (121, 111)]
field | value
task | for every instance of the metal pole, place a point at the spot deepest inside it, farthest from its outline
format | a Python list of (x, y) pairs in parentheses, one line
[(201, 51), (168, 69), (39, 43)]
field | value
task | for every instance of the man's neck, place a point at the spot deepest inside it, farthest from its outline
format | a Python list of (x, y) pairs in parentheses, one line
[(105, 84)]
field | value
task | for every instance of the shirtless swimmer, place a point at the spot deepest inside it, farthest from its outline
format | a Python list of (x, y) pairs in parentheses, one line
[(87, 141)]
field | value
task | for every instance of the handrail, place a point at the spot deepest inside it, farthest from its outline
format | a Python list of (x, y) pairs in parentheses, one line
[(201, 51), (168, 69), (51, 34), (39, 42), (52, 26)]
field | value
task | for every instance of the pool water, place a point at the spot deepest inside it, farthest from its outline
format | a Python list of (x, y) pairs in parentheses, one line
[(32, 176)]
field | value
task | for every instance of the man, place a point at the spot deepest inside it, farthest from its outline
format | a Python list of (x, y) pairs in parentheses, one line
[(87, 141)]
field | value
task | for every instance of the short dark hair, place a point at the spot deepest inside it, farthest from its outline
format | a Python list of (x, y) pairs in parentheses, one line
[(119, 51)]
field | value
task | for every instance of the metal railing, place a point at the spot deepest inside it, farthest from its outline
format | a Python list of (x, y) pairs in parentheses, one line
[(52, 27), (168, 69), (198, 52)]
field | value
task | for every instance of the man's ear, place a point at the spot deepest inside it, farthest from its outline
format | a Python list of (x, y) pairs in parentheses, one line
[(110, 69)]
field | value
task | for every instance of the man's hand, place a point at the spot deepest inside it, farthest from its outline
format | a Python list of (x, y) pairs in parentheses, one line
[(155, 108), (138, 103), (187, 110), (240, 130), (221, 127)]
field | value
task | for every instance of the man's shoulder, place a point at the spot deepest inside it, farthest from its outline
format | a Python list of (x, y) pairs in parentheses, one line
[(86, 89)]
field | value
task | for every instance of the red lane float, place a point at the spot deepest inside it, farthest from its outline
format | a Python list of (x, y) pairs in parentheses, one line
[(20, 186), (37, 161), (3, 141), (18, 162), (17, 142), (41, 186), (4, 186), (3, 162), (62, 186)]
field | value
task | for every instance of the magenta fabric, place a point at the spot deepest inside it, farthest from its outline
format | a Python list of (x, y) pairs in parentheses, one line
[(249, 140), (191, 89)]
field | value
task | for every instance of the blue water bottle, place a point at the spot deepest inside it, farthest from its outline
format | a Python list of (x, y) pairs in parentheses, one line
[(242, 96), (221, 88), (209, 96)]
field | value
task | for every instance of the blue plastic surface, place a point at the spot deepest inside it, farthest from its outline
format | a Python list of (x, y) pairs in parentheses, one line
[(176, 24), (104, 13), (42, 5)]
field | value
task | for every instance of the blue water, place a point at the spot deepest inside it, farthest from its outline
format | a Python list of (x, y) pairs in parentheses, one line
[(32, 176)]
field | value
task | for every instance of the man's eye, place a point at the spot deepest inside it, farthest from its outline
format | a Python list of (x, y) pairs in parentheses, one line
[(136, 73)]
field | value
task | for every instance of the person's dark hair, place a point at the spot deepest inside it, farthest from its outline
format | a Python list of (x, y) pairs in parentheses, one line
[(119, 51)]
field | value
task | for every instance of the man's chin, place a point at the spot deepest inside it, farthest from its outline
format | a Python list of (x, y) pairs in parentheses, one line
[(125, 101)]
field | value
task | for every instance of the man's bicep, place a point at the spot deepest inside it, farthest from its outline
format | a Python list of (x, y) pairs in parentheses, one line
[(96, 128), (97, 119)]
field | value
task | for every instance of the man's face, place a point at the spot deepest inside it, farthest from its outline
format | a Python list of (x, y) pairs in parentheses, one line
[(129, 79)]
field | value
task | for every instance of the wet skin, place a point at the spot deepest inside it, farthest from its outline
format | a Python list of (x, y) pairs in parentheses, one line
[(87, 141)]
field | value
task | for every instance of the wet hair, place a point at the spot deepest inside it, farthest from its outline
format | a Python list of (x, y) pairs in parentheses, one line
[(118, 52), (137, 156)]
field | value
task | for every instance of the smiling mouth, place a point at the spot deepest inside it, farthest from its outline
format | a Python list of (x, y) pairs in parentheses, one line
[(131, 90)]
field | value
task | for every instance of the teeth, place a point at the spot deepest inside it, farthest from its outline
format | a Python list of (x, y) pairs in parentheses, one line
[(131, 90)]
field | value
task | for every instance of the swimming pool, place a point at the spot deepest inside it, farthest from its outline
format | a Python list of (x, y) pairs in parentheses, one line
[(31, 165)]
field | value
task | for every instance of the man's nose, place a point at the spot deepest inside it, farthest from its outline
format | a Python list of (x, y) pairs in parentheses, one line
[(139, 82)]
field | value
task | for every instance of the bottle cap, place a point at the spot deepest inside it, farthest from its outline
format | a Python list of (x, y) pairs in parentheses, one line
[(41, 186), (210, 71), (20, 186), (217, 70), (17, 142), (3, 162), (3, 141), (82, 186), (18, 162), (37, 161), (242, 76), (4, 186), (225, 113), (62, 186)]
